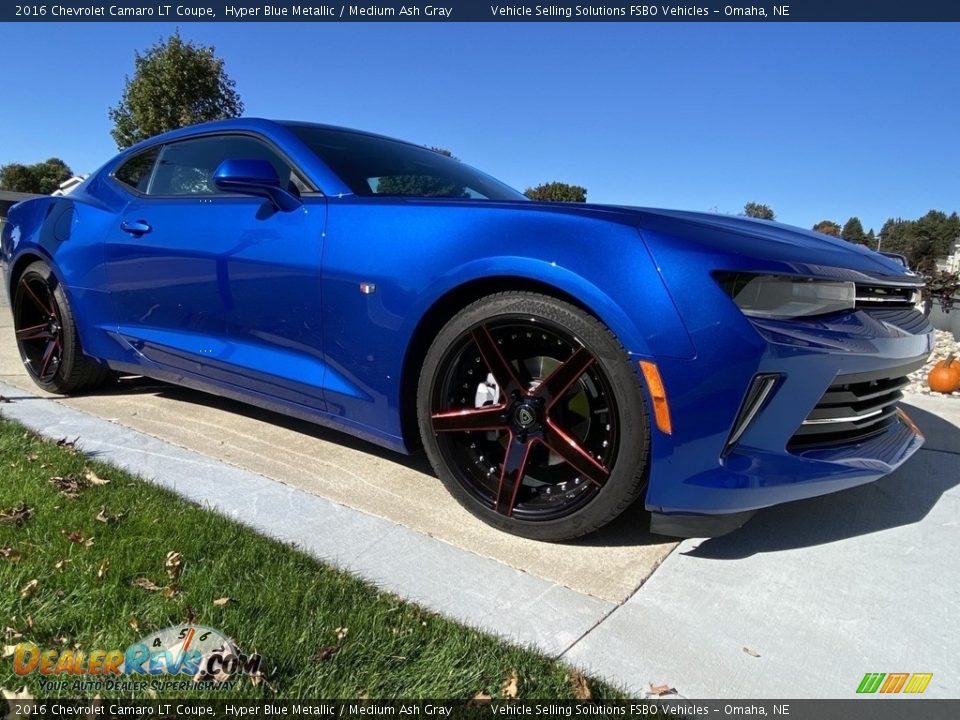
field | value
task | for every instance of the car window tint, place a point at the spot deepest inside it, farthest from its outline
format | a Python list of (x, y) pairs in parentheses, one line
[(136, 171), (187, 167), (372, 165)]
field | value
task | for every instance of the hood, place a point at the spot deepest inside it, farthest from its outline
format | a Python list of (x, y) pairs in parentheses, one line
[(744, 236)]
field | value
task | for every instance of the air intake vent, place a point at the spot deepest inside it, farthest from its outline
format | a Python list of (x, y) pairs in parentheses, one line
[(850, 412), (885, 296)]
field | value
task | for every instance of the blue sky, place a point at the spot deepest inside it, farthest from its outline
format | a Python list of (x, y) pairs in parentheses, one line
[(818, 121)]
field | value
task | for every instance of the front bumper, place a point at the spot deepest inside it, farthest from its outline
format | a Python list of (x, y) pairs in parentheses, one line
[(702, 485)]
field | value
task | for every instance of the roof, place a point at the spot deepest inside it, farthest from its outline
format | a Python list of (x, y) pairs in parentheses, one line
[(263, 125)]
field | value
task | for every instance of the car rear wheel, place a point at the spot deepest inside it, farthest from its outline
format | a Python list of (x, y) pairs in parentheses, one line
[(533, 418), (47, 335)]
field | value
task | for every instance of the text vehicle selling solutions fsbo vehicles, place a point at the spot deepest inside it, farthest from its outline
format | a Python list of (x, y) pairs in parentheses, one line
[(556, 361)]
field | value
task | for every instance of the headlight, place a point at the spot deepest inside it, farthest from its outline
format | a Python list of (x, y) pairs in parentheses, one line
[(784, 296)]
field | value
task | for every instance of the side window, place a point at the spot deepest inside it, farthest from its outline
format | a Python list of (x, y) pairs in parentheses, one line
[(136, 171), (187, 167)]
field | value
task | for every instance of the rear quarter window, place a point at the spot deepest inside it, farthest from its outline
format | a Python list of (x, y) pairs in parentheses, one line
[(135, 173)]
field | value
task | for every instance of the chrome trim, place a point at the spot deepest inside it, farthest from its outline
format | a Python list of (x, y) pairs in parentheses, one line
[(831, 421), (768, 383), (757, 394), (882, 299)]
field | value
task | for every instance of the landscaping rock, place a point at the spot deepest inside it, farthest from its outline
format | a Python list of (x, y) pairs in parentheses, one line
[(945, 345)]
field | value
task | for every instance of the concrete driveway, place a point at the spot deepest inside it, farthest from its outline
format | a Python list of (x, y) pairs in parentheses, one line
[(800, 602)]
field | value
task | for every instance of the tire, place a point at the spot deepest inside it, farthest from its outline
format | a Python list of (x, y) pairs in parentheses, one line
[(47, 335), (524, 386)]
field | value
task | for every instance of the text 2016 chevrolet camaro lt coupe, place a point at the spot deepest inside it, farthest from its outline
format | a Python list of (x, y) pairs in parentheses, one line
[(556, 361)]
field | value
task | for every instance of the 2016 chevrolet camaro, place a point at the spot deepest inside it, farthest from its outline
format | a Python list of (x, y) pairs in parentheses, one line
[(556, 361)]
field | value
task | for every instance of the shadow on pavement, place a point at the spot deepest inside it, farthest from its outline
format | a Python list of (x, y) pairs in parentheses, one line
[(902, 498), (140, 385), (630, 529)]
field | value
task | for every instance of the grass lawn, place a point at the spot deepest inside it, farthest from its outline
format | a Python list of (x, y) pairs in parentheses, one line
[(70, 580)]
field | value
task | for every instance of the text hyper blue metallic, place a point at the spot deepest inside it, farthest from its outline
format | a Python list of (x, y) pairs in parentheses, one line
[(556, 361)]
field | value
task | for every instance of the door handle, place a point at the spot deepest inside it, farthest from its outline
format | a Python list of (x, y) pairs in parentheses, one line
[(135, 227)]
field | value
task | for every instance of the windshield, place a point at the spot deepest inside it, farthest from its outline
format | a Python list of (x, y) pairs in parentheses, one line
[(372, 165)]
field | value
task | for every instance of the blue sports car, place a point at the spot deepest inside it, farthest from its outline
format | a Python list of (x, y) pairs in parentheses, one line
[(557, 362)]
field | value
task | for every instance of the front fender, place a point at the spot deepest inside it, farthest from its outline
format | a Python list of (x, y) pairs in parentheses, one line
[(654, 329)]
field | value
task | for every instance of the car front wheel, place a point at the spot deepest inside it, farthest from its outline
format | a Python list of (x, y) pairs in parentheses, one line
[(533, 417)]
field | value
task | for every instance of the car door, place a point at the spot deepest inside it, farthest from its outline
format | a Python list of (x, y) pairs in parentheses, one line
[(218, 287)]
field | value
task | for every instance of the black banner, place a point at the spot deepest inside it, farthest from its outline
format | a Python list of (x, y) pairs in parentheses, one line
[(476, 11), (862, 709)]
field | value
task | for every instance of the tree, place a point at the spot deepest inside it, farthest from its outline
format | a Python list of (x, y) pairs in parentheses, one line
[(853, 233), (175, 83), (896, 235), (43, 177), (758, 210), (421, 185), (557, 192), (828, 227)]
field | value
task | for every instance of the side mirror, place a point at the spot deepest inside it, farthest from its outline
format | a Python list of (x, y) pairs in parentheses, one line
[(254, 177)]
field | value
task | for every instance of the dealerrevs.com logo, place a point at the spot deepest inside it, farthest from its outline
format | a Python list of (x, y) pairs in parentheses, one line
[(891, 683), (176, 658)]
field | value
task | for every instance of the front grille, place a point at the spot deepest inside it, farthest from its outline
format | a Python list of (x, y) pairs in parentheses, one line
[(886, 296), (911, 320), (850, 410)]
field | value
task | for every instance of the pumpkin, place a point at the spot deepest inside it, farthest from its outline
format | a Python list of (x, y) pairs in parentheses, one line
[(945, 376)]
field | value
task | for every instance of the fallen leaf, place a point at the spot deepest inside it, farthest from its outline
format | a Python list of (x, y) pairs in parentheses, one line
[(16, 515), (106, 517), (12, 634), (9, 650), (220, 602), (33, 458), (482, 697), (660, 690), (69, 444), (24, 694), (77, 537), (751, 653), (191, 615), (511, 686), (102, 572), (259, 677), (94, 479), (146, 584), (70, 486), (11, 554), (61, 564), (342, 633), (134, 623), (30, 621), (174, 564), (170, 592), (581, 688), (326, 653), (29, 589)]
